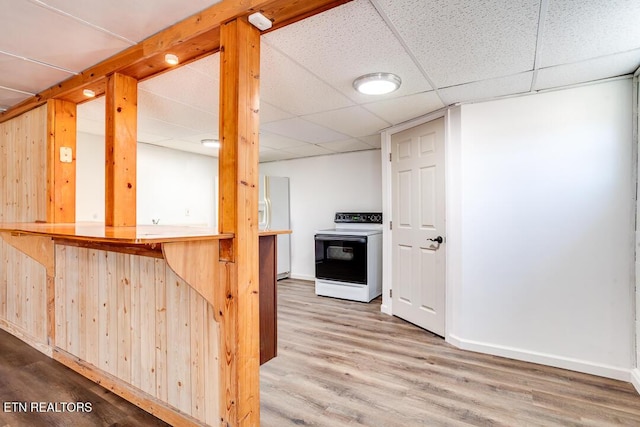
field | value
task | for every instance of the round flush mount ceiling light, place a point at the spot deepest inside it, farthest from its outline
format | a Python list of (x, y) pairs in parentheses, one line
[(377, 83), (211, 143), (171, 59)]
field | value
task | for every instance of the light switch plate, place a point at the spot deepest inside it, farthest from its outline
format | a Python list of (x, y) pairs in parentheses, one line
[(66, 155)]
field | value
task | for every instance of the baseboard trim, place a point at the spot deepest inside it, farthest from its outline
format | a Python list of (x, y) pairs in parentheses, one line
[(545, 359), (149, 403), (635, 379), (302, 277), (23, 336)]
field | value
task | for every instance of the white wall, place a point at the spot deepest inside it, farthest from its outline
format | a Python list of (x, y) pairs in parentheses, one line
[(546, 229), (321, 186), (175, 187)]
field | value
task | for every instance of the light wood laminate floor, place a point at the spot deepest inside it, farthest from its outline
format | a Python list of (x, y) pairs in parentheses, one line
[(343, 363)]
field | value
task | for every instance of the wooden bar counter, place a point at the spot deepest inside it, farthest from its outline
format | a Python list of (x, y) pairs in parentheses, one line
[(136, 309)]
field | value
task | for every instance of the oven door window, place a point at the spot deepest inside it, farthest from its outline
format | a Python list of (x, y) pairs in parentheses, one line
[(341, 258)]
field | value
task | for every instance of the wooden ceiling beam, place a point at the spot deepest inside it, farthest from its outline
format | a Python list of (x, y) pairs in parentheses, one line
[(190, 39)]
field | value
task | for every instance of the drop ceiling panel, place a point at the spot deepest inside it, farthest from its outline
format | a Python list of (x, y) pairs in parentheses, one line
[(346, 42), (187, 86), (275, 155), (586, 71), (9, 98), (461, 41), (487, 89), (38, 33), (17, 73), (398, 110), (152, 126), (352, 121), (169, 111), (309, 150), (303, 130), (576, 30), (294, 89), (132, 19), (373, 141), (346, 146), (278, 142), (269, 113)]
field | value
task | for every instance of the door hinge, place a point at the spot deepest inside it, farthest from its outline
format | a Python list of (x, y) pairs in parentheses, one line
[(390, 225), (390, 293), (389, 156)]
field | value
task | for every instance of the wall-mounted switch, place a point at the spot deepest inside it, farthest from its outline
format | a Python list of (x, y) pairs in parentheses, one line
[(66, 155)]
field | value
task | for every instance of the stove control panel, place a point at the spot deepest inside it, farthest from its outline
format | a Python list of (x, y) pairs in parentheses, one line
[(358, 217)]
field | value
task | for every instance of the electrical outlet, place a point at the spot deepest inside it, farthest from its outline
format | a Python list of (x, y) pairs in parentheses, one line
[(66, 155)]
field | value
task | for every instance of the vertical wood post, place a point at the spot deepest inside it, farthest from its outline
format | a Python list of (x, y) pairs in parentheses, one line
[(61, 170), (238, 201), (121, 109)]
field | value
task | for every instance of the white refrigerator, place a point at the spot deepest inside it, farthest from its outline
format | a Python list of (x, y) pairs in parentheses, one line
[(273, 214)]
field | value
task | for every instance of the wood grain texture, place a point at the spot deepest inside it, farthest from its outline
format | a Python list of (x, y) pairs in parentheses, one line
[(61, 176), (131, 318), (238, 202), (23, 196), (190, 39), (121, 133), (344, 363)]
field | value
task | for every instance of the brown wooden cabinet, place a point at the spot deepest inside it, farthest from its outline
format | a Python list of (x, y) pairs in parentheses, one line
[(268, 298)]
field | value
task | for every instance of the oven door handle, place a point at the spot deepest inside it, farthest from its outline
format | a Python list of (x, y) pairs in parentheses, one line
[(329, 237)]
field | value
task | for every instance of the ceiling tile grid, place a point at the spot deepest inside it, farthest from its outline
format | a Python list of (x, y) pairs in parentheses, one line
[(346, 42), (36, 32), (576, 30), (398, 110), (352, 121), (297, 128), (32, 77), (590, 70), (292, 88), (487, 89), (461, 41), (134, 20), (153, 106)]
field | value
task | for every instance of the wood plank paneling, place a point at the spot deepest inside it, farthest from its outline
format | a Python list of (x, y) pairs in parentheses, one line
[(23, 282), (61, 176), (163, 334), (238, 202), (121, 133)]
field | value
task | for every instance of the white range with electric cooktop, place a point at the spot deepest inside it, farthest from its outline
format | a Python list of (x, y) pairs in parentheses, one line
[(349, 257)]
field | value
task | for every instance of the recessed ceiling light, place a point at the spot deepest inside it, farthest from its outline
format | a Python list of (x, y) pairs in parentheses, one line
[(171, 59), (88, 93), (211, 143), (377, 83)]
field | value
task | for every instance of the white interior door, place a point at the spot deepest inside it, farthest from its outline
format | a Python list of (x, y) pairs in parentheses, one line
[(418, 287)]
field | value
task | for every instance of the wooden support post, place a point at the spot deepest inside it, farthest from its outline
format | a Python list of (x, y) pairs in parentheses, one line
[(238, 165), (121, 107), (61, 161)]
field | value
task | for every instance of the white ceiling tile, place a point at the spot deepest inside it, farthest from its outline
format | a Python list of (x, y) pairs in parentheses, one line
[(400, 110), (373, 141), (486, 89), (93, 109), (292, 88), (346, 146), (352, 121), (303, 130), (461, 41), (179, 114), (309, 150), (17, 73), (151, 126), (576, 30), (38, 33), (269, 113), (345, 42), (10, 97), (586, 71), (275, 155), (132, 19), (278, 142), (182, 145), (185, 85)]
